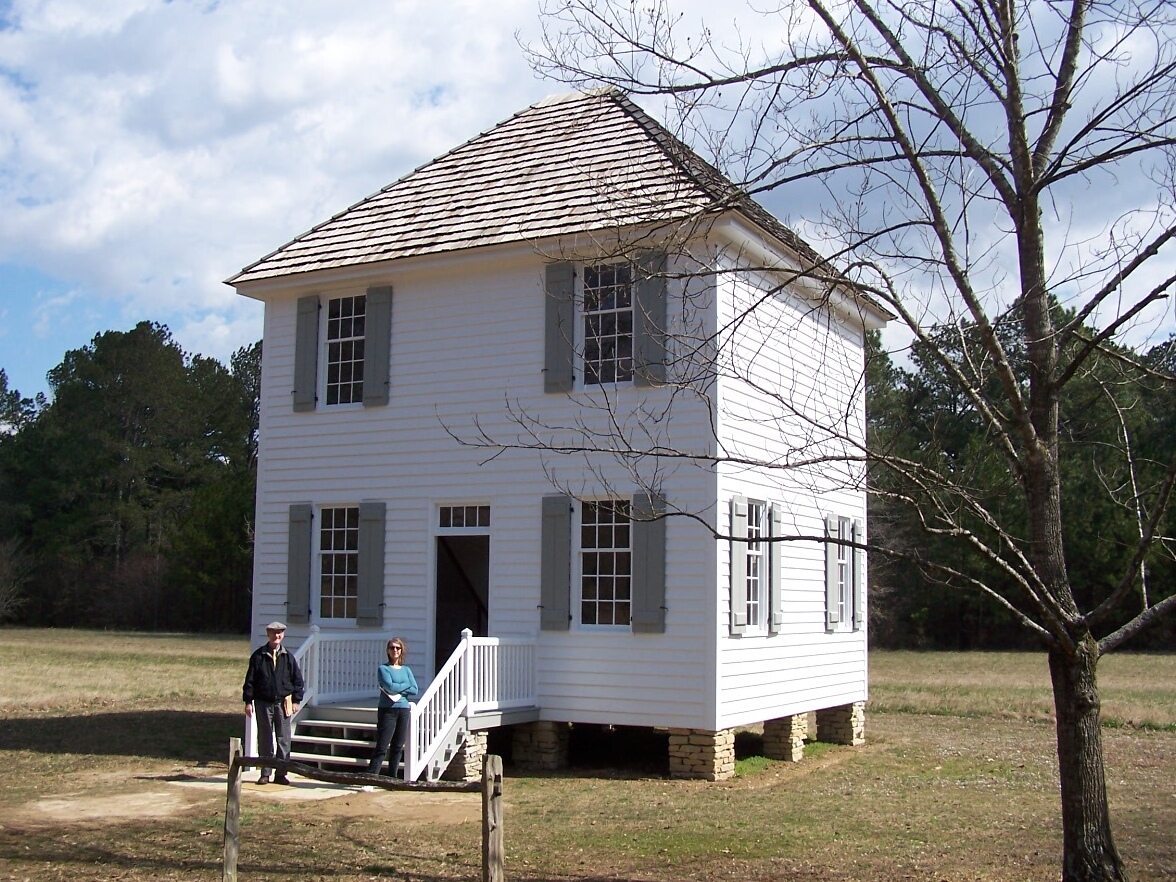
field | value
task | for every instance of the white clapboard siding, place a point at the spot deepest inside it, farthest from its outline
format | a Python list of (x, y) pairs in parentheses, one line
[(812, 362), (458, 348)]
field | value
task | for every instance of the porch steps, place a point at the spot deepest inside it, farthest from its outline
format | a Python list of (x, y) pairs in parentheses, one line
[(342, 738), (335, 736)]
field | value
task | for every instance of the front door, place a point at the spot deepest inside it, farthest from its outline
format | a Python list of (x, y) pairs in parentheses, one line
[(463, 591)]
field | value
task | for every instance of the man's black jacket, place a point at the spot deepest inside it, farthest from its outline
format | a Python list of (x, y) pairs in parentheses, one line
[(267, 681)]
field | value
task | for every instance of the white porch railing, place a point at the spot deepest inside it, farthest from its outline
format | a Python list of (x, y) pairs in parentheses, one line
[(340, 666), (482, 674)]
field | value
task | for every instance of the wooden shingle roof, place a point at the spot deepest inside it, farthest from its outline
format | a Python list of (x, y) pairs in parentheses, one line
[(576, 163)]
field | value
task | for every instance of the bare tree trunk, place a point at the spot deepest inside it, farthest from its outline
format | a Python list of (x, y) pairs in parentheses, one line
[(1088, 850)]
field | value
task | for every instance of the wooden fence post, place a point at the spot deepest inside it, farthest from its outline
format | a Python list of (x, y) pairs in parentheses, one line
[(492, 851), (232, 813)]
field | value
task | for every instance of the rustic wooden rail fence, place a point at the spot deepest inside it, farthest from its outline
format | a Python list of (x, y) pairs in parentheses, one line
[(490, 787)]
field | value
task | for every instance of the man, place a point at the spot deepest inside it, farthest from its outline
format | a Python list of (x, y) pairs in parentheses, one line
[(272, 692)]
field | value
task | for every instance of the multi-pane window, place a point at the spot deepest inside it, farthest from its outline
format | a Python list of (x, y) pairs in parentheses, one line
[(464, 516), (605, 563), (345, 336), (339, 563), (608, 323), (756, 569), (844, 568)]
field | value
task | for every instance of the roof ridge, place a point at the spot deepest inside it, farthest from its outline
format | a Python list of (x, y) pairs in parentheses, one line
[(557, 153)]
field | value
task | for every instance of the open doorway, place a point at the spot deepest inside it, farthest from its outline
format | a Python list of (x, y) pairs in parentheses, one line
[(463, 591)]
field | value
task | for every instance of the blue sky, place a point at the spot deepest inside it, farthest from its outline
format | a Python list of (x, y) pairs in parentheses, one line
[(149, 149)]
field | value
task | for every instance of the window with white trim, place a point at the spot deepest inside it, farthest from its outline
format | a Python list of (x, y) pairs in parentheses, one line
[(463, 516), (757, 570), (608, 323), (844, 569), (338, 562), (346, 317), (606, 563), (844, 574)]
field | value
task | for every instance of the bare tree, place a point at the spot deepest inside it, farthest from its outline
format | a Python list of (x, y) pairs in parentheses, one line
[(981, 163)]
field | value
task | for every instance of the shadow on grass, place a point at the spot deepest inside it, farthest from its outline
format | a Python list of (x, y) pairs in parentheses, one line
[(141, 852), (168, 734)]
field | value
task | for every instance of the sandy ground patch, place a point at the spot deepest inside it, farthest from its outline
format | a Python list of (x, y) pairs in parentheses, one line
[(103, 798)]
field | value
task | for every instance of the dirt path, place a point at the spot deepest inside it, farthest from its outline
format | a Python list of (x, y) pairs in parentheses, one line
[(98, 798)]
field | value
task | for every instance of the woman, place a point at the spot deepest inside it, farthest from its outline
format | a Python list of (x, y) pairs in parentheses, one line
[(397, 686)]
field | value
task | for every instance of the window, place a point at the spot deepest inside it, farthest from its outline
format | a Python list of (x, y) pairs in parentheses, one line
[(463, 516), (345, 343), (350, 362), (608, 323), (757, 589), (605, 563), (339, 563), (844, 581), (844, 569), (605, 323), (756, 570)]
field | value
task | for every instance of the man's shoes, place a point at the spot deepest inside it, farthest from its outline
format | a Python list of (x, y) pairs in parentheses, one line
[(264, 779), (282, 779)]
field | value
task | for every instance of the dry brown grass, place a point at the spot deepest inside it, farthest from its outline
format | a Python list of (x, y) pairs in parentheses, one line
[(1137, 690), (933, 797), (54, 670)]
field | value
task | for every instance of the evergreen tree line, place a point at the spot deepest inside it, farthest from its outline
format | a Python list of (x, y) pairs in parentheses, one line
[(127, 496), (1118, 425), (126, 499)]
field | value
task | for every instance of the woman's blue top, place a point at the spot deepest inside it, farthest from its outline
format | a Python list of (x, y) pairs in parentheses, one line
[(396, 681)]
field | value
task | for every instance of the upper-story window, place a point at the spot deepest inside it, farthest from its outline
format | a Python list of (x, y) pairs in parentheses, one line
[(605, 323), (345, 339), (608, 323), (343, 355)]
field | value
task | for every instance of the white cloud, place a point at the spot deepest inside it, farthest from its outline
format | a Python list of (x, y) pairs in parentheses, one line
[(148, 150)]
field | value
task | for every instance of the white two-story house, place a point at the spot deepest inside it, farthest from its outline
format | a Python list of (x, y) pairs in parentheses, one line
[(582, 423)]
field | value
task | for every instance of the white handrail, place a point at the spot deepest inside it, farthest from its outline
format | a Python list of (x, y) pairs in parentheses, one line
[(482, 674), (307, 657), (437, 710)]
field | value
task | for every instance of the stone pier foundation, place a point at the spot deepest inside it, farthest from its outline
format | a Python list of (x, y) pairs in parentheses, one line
[(466, 764), (843, 725), (702, 754), (540, 746), (784, 738)]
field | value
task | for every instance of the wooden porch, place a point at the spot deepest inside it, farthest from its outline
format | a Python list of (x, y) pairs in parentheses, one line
[(487, 682)]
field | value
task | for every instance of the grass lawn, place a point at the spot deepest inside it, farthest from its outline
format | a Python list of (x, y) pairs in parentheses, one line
[(957, 781)]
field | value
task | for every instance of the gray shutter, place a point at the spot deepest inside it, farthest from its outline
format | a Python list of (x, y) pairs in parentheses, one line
[(830, 572), (560, 328), (776, 572), (370, 605), (738, 565), (298, 564), (649, 565), (858, 587), (377, 345), (306, 354), (555, 572), (649, 321)]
